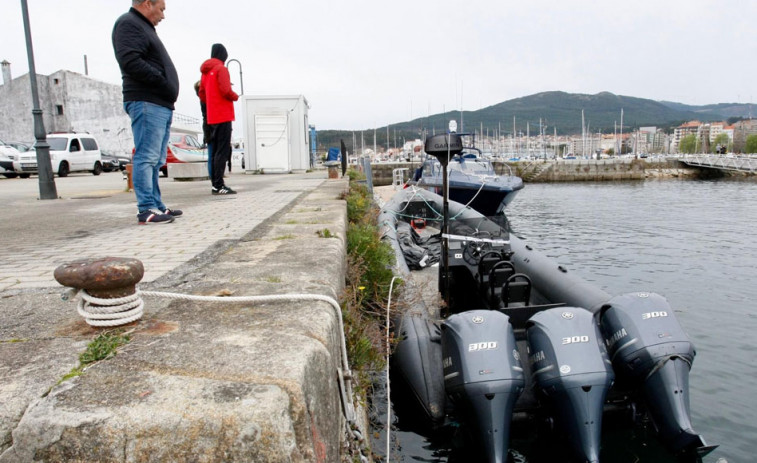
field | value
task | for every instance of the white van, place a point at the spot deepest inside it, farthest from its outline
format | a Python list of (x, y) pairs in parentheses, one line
[(74, 152)]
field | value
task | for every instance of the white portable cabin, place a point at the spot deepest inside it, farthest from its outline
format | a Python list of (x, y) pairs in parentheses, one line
[(276, 133)]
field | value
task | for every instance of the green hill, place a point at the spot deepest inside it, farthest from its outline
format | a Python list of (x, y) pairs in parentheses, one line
[(559, 111)]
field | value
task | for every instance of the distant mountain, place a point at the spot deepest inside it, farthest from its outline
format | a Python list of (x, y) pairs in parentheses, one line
[(558, 111), (726, 110)]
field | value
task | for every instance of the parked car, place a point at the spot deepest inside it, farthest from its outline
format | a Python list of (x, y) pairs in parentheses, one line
[(182, 147), (21, 146), (109, 162), (69, 152), (9, 157), (6, 165), (26, 163), (112, 161), (74, 152)]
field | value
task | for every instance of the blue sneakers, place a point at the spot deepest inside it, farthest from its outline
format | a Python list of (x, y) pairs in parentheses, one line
[(153, 216), (173, 212)]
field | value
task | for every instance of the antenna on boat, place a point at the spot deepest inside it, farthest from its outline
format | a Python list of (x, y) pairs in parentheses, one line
[(444, 147)]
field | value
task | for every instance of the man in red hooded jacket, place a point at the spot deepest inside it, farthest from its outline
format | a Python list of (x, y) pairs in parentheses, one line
[(219, 98)]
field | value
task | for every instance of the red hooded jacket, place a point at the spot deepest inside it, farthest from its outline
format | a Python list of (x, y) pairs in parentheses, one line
[(216, 93)]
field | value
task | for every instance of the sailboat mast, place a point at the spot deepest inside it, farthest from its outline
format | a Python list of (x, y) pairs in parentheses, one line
[(621, 131), (528, 138), (462, 122), (554, 143), (541, 137), (583, 134)]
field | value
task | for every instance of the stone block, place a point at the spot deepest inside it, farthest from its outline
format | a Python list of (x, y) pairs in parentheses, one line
[(185, 171)]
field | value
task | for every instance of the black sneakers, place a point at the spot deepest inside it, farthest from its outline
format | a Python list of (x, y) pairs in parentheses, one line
[(224, 190), (173, 212), (153, 216)]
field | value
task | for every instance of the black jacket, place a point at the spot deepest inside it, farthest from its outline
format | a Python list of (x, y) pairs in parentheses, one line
[(147, 71)]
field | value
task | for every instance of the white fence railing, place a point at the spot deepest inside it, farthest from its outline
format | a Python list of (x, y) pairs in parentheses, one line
[(741, 163)]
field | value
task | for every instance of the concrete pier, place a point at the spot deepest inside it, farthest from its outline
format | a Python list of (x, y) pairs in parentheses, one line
[(572, 170), (197, 381)]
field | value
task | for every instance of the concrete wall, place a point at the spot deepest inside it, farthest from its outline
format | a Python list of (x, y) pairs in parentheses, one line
[(577, 170), (199, 381), (593, 170)]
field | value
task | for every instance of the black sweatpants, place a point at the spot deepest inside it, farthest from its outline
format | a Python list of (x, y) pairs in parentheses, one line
[(221, 151)]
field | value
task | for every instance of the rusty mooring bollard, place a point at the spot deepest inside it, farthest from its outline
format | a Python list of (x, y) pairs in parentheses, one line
[(104, 278)]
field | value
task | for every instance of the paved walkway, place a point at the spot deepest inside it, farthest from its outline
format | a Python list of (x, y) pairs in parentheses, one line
[(96, 217)]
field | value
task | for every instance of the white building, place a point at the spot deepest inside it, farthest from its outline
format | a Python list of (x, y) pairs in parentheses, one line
[(276, 135), (69, 102)]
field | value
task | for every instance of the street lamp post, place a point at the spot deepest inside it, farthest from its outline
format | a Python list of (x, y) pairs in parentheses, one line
[(47, 188), (241, 82)]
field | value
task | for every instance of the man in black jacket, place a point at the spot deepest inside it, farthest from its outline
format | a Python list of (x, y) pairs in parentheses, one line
[(150, 88)]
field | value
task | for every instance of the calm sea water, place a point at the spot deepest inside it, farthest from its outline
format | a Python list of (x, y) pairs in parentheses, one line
[(694, 242)]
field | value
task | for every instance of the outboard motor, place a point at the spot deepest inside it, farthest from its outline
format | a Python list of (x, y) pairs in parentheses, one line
[(483, 376), (651, 353), (571, 368)]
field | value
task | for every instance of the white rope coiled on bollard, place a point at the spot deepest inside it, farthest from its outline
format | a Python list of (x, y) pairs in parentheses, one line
[(107, 312)]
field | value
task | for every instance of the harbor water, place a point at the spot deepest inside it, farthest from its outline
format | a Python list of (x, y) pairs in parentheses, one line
[(692, 241)]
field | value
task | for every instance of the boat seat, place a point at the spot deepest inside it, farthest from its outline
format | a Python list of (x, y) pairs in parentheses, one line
[(516, 291), (498, 276), (485, 264)]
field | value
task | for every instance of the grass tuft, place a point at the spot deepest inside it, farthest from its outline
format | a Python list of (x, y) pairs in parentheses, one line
[(325, 233), (103, 347)]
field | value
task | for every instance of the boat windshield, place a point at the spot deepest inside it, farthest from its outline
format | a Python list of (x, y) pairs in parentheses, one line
[(470, 166), (484, 229), (476, 166)]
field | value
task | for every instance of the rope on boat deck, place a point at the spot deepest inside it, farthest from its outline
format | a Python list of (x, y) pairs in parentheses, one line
[(120, 311)]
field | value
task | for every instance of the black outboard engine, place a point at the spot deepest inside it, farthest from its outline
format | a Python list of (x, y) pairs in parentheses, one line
[(483, 376), (651, 353), (571, 368)]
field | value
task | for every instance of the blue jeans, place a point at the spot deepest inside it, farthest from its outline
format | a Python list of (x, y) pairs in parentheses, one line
[(151, 126)]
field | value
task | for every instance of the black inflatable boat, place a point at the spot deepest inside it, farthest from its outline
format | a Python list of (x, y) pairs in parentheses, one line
[(517, 336)]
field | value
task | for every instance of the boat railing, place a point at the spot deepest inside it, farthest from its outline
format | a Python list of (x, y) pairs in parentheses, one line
[(506, 166)]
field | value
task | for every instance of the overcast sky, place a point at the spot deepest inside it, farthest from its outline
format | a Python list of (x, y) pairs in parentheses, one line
[(364, 64)]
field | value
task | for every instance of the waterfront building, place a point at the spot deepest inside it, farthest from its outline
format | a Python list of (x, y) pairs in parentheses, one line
[(741, 131), (651, 140), (687, 128), (586, 146)]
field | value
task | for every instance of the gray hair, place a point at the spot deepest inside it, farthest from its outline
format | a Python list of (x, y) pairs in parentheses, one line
[(139, 2)]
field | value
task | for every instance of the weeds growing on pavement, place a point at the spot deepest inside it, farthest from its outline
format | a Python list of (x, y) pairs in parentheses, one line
[(104, 346), (369, 275), (325, 233), (359, 204), (354, 175)]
